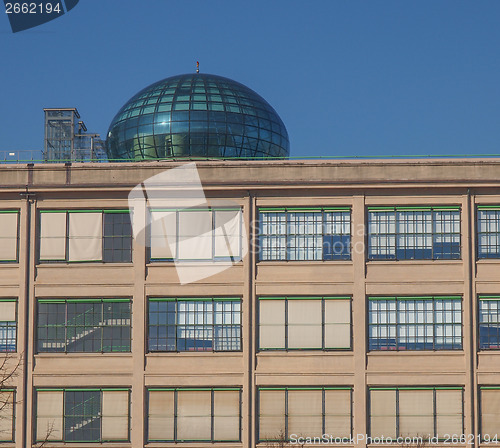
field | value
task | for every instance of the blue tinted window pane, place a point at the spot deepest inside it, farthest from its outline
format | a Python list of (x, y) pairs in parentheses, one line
[(195, 326), (83, 327), (415, 324), (414, 235), (7, 336), (82, 416), (488, 233), (489, 324), (307, 235)]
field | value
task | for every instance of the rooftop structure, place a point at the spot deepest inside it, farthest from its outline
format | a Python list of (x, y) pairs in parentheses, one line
[(197, 116), (67, 139)]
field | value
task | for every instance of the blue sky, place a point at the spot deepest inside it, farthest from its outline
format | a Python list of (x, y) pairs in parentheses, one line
[(348, 78)]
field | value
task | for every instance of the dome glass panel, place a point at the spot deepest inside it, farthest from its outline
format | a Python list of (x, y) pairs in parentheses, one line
[(197, 116)]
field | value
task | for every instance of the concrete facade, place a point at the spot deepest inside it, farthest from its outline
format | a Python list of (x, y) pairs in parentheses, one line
[(355, 184)]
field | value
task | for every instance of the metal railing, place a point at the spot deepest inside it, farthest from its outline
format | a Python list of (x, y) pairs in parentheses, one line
[(36, 156)]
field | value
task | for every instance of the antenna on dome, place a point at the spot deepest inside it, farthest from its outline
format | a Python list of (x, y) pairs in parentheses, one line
[(197, 67)]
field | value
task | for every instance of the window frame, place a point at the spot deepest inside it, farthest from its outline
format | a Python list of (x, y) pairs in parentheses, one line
[(67, 237), (213, 325), (286, 415), (412, 388), (64, 416), (487, 298), (12, 439), (214, 259), (397, 324), (288, 236), (323, 324), (212, 416), (8, 299), (395, 209), (478, 209), (102, 301), (18, 231), (480, 423)]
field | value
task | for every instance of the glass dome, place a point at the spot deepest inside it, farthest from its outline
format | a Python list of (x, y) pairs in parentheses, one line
[(197, 116)]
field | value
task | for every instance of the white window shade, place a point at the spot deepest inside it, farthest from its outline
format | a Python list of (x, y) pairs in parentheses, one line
[(49, 420), (271, 414), (163, 235), (7, 311), (195, 235), (416, 413), (53, 236), (490, 412), (337, 324), (8, 236), (305, 413), (338, 417), (6, 415), (227, 415), (271, 324), (383, 413), (161, 415), (304, 324), (85, 236), (194, 410), (449, 418), (227, 233), (115, 408)]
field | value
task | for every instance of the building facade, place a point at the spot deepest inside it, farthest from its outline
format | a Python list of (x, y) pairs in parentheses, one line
[(367, 305)]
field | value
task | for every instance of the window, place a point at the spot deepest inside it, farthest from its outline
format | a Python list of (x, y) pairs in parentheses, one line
[(212, 234), (413, 233), (304, 323), (489, 413), (201, 324), (489, 322), (7, 409), (194, 415), (85, 235), (83, 325), (488, 231), (82, 415), (415, 323), (9, 235), (416, 411), (117, 238), (304, 411), (305, 233), (8, 325)]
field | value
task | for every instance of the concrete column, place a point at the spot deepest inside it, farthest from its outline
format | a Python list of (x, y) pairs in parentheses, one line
[(138, 396), (24, 380), (359, 317), (471, 404), (248, 322)]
